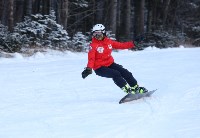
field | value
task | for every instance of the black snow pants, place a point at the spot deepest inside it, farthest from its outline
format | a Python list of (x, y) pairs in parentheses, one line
[(120, 75)]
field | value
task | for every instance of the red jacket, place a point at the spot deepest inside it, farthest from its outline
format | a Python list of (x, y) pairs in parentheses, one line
[(100, 52)]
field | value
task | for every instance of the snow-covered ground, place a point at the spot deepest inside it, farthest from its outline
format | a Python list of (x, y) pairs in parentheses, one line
[(44, 96)]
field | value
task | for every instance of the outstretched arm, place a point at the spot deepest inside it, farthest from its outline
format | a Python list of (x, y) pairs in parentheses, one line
[(122, 45)]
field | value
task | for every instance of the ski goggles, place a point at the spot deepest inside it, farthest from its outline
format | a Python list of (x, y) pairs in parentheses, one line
[(97, 33)]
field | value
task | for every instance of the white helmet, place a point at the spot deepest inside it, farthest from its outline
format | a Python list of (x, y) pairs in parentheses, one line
[(99, 27)]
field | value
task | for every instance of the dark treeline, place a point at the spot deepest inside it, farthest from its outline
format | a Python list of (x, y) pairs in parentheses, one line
[(125, 18)]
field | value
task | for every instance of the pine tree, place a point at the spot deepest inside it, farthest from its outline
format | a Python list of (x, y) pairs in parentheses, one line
[(32, 30), (55, 35), (80, 42), (42, 30), (9, 42), (3, 35)]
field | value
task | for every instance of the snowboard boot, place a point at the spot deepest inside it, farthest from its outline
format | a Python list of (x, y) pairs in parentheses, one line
[(138, 89), (127, 89)]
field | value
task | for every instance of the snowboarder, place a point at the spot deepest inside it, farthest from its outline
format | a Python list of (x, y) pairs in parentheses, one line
[(102, 62)]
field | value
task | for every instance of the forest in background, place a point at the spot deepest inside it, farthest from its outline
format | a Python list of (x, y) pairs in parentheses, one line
[(67, 24)]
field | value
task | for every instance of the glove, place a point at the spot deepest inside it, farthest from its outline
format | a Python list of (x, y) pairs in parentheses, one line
[(86, 72)]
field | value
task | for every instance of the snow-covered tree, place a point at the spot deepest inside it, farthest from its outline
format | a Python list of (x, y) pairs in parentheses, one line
[(3, 34), (55, 33), (42, 30), (3, 31), (110, 35), (80, 42), (9, 42), (32, 30), (13, 42)]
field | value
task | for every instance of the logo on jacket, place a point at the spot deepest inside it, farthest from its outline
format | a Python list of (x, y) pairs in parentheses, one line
[(110, 46), (100, 49)]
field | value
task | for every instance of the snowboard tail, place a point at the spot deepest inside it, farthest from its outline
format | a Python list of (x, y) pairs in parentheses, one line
[(130, 97)]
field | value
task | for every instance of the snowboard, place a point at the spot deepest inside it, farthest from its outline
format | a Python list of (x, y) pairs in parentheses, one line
[(130, 97)]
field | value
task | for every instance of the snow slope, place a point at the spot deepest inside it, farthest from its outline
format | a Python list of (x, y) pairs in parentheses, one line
[(44, 96)]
